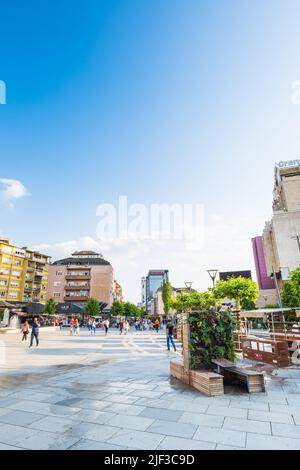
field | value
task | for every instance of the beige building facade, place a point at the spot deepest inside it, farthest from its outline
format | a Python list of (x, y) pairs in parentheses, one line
[(281, 235), (83, 275)]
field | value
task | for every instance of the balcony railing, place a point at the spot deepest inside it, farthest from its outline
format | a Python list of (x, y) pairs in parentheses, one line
[(75, 299)]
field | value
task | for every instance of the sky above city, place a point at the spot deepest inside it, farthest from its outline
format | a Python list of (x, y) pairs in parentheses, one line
[(161, 101)]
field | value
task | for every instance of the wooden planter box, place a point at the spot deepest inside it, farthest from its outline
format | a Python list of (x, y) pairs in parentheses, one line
[(209, 383)]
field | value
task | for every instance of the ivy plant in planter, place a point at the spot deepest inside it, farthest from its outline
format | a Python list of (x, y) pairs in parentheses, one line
[(211, 337)]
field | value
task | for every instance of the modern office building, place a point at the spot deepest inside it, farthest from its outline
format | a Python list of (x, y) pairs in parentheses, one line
[(23, 273), (83, 275), (281, 235), (154, 281), (143, 287)]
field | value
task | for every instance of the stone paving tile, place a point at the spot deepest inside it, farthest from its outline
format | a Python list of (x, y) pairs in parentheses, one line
[(43, 440), (139, 386), (220, 436), (19, 418), (53, 424), (90, 404), (92, 416), (123, 408), (202, 419), (31, 395), (187, 406), (117, 398), (212, 401), (136, 439), (227, 411), (175, 443), (44, 408), (170, 429), (260, 442), (145, 394), (11, 434), (100, 433), (271, 417), (160, 413), (4, 411), (250, 405), (130, 422), (85, 444), (79, 429), (286, 430), (156, 403), (247, 425)]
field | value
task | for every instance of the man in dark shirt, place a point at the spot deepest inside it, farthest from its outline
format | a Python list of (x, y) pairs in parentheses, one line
[(35, 331), (169, 333)]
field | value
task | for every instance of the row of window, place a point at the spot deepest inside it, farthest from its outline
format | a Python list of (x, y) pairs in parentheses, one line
[(5, 272), (12, 295), (4, 282), (16, 262)]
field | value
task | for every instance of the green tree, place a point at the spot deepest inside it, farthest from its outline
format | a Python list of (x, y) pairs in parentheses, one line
[(92, 307), (117, 308), (194, 300), (166, 292), (50, 306), (240, 289), (291, 290), (131, 310)]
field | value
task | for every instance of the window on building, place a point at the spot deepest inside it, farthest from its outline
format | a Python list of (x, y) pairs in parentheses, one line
[(56, 294), (17, 262), (57, 283), (16, 273), (2, 294), (3, 283), (5, 260), (59, 273)]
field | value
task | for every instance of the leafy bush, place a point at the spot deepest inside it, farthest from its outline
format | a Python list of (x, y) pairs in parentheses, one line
[(211, 337)]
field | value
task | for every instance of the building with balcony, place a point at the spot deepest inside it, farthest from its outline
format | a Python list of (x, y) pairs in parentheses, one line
[(281, 235), (23, 273), (83, 275)]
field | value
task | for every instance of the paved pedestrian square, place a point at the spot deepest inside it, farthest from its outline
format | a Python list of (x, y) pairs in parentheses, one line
[(114, 392)]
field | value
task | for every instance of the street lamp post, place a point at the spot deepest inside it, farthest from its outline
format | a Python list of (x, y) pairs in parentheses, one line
[(213, 274), (188, 285)]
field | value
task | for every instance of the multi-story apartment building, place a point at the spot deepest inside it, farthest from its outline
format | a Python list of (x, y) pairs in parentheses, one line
[(23, 273), (281, 234), (143, 287), (83, 275)]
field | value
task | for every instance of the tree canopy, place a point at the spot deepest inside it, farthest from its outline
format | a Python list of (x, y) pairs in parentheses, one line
[(166, 295), (193, 300), (240, 289), (50, 306), (92, 307), (291, 290)]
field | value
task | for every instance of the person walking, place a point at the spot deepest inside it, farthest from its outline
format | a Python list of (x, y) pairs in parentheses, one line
[(35, 331), (76, 327), (169, 333), (121, 326), (90, 324), (156, 325), (126, 326), (93, 326), (106, 325), (25, 330), (71, 326)]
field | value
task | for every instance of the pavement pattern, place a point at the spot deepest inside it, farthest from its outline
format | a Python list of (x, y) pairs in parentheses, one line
[(115, 392)]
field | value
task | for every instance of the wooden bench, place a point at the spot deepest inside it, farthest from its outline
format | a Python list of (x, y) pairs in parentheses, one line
[(253, 380)]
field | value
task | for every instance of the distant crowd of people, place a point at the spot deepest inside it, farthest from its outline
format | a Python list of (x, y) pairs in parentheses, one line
[(123, 326)]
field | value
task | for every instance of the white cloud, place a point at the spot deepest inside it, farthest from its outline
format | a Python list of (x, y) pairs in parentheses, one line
[(11, 189), (226, 246)]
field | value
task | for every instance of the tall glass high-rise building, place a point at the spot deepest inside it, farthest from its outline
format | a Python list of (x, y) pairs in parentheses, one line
[(154, 281)]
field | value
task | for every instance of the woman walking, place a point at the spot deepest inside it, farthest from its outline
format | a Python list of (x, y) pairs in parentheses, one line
[(25, 330)]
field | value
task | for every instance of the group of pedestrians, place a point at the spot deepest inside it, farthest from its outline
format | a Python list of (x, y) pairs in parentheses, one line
[(124, 326), (74, 327), (35, 331)]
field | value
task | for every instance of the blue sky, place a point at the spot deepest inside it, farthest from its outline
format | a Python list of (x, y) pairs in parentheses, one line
[(165, 101)]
